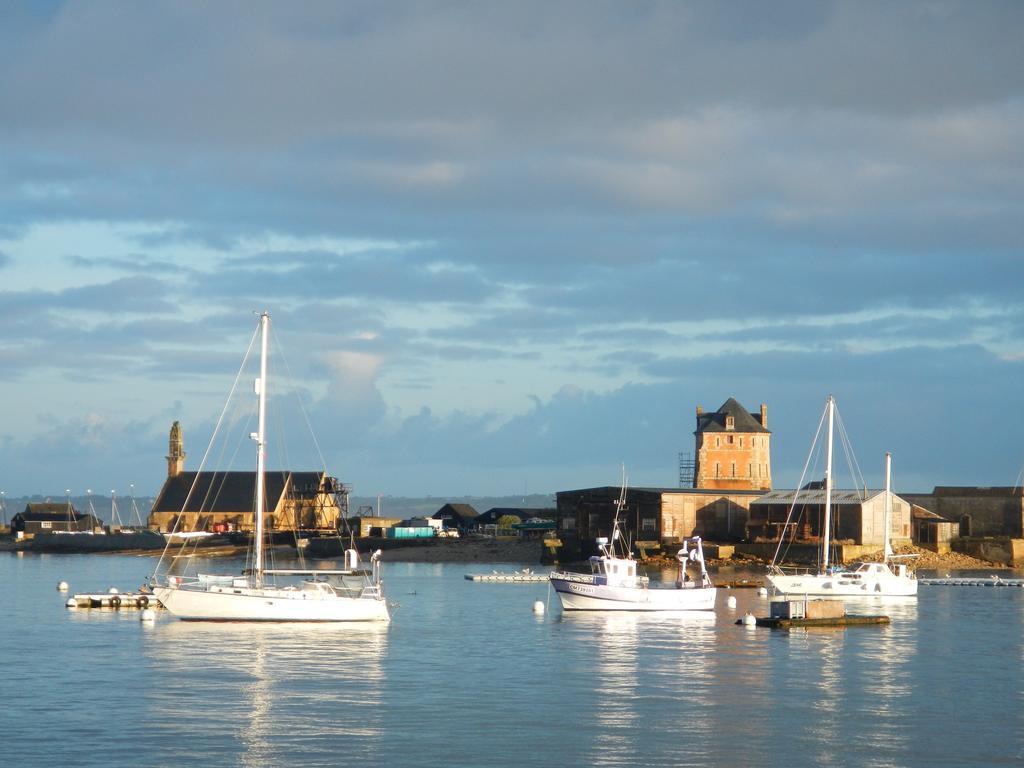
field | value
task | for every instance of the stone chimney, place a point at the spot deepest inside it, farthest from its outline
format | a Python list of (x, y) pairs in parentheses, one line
[(175, 452), (764, 415)]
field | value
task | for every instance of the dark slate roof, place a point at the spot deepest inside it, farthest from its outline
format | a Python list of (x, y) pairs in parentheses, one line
[(462, 511), (494, 514), (614, 490), (56, 507), (227, 491), (29, 516), (742, 420), (817, 496)]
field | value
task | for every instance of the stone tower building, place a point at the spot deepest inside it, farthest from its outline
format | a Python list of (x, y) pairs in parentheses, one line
[(733, 449), (175, 452)]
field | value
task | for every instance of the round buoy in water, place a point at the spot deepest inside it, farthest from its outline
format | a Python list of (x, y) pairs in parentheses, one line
[(749, 620), (148, 615), (762, 592), (113, 591), (71, 603), (62, 586), (538, 608), (731, 602)]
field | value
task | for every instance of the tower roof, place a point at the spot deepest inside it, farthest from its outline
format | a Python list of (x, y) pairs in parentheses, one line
[(743, 421)]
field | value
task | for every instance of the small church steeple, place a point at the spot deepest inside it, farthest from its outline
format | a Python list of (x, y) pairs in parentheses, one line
[(175, 452)]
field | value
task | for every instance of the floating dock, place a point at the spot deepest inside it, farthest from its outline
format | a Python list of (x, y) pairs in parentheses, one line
[(836, 621), (741, 584), (991, 581), (519, 577), (138, 600), (785, 614)]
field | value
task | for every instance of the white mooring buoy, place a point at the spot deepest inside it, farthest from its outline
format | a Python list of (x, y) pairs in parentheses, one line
[(538, 608), (113, 591), (731, 602), (762, 592), (147, 615), (71, 603), (62, 586), (749, 620)]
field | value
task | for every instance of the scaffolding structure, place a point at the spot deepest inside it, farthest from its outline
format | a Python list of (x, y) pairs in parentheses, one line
[(687, 468)]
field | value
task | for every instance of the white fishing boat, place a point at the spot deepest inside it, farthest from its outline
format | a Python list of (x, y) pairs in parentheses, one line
[(887, 578), (614, 585), (348, 594)]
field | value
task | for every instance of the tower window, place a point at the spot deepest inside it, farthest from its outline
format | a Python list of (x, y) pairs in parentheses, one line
[(730, 422)]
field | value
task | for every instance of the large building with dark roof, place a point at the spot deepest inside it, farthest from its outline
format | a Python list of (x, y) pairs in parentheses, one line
[(47, 517), (733, 449), (655, 514), (209, 501)]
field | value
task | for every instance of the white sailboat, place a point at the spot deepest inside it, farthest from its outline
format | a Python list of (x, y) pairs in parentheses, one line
[(862, 579), (613, 584), (318, 595)]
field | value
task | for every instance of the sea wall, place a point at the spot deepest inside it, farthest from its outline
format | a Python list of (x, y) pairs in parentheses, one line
[(807, 554), (1003, 549)]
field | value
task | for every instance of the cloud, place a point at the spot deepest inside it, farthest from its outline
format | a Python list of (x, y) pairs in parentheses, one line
[(487, 233)]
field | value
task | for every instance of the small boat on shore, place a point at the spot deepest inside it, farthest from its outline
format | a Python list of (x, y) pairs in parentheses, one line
[(614, 585)]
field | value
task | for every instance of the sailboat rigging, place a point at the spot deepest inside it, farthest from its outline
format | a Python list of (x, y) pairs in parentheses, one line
[(863, 579), (348, 594)]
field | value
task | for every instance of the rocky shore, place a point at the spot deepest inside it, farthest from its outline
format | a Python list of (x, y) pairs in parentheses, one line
[(467, 551), (923, 560), (472, 550)]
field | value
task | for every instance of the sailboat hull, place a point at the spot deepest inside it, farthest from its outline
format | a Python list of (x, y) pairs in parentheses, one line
[(842, 584), (267, 604), (577, 595)]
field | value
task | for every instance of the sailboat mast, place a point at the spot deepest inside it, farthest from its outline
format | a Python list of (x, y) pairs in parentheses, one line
[(825, 544), (261, 391), (887, 543)]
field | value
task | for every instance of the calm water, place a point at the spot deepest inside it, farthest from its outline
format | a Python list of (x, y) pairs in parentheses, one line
[(467, 675)]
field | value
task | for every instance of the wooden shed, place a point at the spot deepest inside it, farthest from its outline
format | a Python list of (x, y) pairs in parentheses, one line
[(48, 517)]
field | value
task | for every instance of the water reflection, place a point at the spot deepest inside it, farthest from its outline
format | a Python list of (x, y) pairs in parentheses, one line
[(267, 693), (650, 677)]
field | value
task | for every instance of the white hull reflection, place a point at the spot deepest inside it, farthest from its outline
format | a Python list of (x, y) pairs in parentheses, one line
[(878, 581), (578, 595), (313, 601)]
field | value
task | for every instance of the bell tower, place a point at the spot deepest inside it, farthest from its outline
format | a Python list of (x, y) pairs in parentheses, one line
[(175, 452)]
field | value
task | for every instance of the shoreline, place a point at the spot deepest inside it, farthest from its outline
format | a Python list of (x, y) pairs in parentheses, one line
[(515, 552)]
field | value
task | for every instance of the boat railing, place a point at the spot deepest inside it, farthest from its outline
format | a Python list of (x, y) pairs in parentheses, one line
[(371, 592), (791, 570), (582, 578)]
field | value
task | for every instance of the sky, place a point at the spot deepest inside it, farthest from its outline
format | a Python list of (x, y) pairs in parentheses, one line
[(509, 247)]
